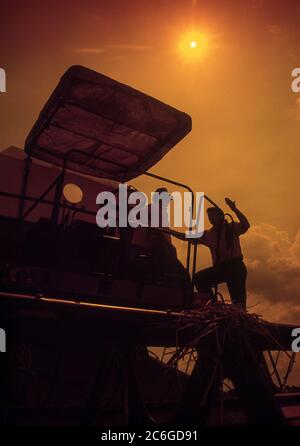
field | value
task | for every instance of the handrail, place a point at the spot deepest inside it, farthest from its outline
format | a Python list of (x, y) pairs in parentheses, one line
[(115, 163), (48, 202), (58, 182)]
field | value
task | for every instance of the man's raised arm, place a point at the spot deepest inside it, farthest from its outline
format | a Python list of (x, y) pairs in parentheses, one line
[(244, 222)]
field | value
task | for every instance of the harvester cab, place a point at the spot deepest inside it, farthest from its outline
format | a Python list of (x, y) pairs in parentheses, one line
[(93, 134)]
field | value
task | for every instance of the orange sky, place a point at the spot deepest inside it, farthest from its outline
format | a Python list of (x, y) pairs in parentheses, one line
[(246, 119)]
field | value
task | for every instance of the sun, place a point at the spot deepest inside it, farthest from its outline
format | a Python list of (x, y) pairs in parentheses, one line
[(193, 45)]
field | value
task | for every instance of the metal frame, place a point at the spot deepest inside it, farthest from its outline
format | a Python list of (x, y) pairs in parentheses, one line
[(42, 201), (59, 182)]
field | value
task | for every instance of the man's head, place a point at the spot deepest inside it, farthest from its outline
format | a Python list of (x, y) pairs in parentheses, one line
[(215, 216), (162, 195)]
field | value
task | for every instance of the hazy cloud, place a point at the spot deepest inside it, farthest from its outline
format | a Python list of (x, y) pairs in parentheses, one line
[(273, 262), (274, 29), (108, 47), (130, 47), (90, 50)]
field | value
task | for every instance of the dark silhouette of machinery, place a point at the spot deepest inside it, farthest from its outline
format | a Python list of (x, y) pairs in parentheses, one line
[(72, 291)]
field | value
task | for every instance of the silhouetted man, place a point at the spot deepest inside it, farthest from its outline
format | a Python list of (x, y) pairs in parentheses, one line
[(223, 241), (156, 240)]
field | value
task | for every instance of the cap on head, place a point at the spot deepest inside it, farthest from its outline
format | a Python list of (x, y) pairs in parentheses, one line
[(215, 210), (215, 215), (162, 195), (161, 189)]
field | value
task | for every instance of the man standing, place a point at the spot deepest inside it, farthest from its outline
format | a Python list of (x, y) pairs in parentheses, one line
[(161, 248), (223, 240)]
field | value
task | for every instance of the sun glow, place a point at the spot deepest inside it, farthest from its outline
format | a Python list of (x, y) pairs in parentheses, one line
[(194, 45)]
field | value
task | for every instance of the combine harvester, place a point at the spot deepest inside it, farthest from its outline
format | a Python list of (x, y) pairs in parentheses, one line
[(79, 316)]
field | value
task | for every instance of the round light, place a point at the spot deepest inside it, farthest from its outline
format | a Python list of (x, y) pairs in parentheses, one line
[(194, 45), (73, 193)]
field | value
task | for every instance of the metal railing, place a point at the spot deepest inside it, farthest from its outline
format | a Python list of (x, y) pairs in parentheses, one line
[(59, 182)]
